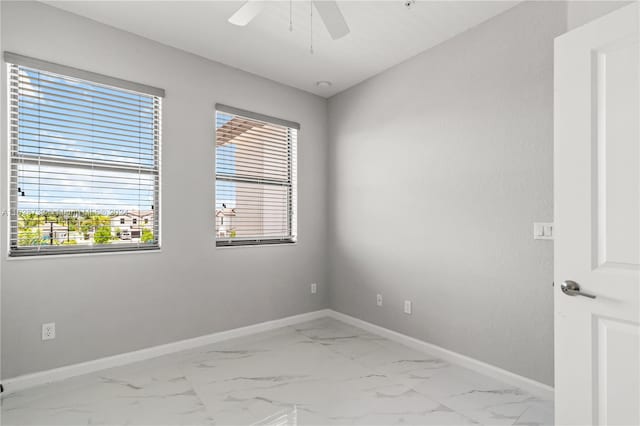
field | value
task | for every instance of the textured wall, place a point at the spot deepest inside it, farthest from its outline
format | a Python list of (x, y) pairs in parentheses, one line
[(582, 12), (438, 168), (109, 304)]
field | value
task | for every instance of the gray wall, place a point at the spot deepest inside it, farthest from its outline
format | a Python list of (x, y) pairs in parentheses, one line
[(584, 11), (109, 304), (438, 169)]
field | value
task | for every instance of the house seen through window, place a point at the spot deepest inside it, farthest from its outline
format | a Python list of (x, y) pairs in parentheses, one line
[(84, 163), (255, 178)]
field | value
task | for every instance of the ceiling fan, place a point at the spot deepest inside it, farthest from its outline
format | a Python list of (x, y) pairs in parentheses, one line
[(328, 10)]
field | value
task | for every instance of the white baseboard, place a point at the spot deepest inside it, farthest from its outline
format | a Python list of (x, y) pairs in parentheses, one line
[(533, 387), (43, 377), (30, 380)]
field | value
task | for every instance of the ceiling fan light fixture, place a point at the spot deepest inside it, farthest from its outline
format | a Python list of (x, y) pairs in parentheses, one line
[(246, 13), (329, 11)]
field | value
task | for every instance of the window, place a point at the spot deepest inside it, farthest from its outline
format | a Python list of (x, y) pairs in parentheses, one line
[(255, 178), (135, 221), (84, 156)]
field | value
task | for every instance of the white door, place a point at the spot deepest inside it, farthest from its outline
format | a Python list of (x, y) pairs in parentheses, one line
[(597, 222)]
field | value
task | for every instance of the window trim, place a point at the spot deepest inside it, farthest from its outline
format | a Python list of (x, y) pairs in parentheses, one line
[(257, 116), (291, 182), (94, 77), (12, 59), (254, 242)]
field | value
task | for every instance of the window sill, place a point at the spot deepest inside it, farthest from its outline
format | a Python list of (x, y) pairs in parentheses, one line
[(288, 244), (70, 255)]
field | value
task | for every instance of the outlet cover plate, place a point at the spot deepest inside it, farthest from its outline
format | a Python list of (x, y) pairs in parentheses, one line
[(49, 331)]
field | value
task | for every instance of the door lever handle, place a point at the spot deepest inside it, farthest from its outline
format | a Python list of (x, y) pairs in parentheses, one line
[(572, 288)]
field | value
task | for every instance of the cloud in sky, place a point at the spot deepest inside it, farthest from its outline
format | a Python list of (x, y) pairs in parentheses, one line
[(110, 152)]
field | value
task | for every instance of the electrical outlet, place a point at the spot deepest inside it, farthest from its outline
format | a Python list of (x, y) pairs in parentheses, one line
[(407, 307), (49, 331), (314, 288), (379, 300)]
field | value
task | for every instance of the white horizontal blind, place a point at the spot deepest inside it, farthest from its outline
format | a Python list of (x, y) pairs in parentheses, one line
[(255, 179), (84, 165)]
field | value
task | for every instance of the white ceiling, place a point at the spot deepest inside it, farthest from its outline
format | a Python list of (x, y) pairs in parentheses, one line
[(383, 34)]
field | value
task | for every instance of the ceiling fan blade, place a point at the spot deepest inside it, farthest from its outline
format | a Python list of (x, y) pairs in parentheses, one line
[(247, 12), (332, 18)]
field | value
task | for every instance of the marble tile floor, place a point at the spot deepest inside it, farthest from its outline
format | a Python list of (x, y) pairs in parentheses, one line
[(322, 372)]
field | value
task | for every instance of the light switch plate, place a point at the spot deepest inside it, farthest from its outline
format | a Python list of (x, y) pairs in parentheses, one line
[(543, 231)]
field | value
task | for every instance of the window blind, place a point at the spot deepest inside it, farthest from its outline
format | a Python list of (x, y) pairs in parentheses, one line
[(85, 163), (255, 178)]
